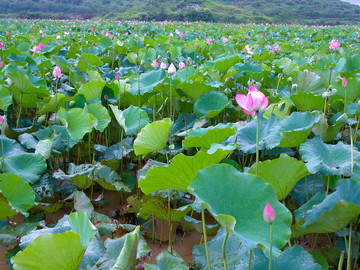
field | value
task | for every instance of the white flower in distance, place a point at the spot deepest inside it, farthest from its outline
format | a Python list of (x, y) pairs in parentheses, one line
[(172, 69)]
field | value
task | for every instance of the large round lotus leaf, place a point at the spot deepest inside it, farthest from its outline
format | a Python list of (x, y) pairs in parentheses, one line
[(44, 148), (91, 59), (101, 114), (6, 210), (94, 251), (193, 89), (282, 173), (81, 225), (92, 89), (246, 135), (224, 63), (51, 252), (331, 131), (289, 67), (204, 137), (11, 147), (5, 98), (153, 137), (293, 130), (237, 201), (180, 172), (57, 101), (167, 261), (308, 81), (334, 212), (294, 257), (77, 121), (127, 257), (148, 81), (135, 119), (210, 104), (19, 193), (114, 247), (352, 90), (328, 159), (236, 253), (28, 166), (308, 101)]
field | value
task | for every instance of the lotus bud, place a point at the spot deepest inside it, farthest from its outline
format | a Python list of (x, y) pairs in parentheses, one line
[(344, 82), (257, 85), (172, 69), (269, 214), (294, 87), (289, 79)]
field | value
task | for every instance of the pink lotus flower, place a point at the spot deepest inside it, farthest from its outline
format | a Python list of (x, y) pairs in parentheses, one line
[(35, 49), (247, 37), (1, 64), (41, 46), (162, 65), (276, 48), (181, 65), (172, 69), (269, 214), (2, 46), (334, 44), (57, 73), (208, 41), (8, 33), (253, 102), (247, 49), (344, 82), (155, 63), (117, 77), (92, 29), (224, 40)]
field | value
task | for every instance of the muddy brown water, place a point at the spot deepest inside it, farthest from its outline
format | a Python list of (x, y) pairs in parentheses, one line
[(182, 246)]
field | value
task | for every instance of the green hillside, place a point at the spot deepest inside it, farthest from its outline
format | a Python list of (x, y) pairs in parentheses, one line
[(236, 11)]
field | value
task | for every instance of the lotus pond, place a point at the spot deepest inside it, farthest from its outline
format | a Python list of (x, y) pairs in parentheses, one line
[(123, 141)]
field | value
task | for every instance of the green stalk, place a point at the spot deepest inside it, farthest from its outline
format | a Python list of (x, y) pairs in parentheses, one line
[(352, 150), (170, 113), (271, 244), (2, 150), (257, 142), (307, 191), (223, 251), (341, 261), (250, 256), (204, 234), (348, 264), (56, 85), (324, 119), (170, 224)]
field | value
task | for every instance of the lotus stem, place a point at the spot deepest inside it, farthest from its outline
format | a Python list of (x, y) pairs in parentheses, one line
[(271, 244), (324, 119), (341, 261), (223, 251), (307, 190), (257, 142), (250, 257), (205, 237), (349, 249), (170, 113), (352, 150), (2, 150), (56, 85)]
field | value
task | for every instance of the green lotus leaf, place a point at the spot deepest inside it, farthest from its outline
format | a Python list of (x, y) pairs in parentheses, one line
[(294, 256), (91, 59), (115, 246), (92, 89), (210, 104), (193, 89), (234, 250), (77, 174), (308, 81), (205, 137), (189, 224), (27, 165), (17, 191), (180, 172), (246, 135), (224, 63), (127, 257), (51, 252), (334, 212), (155, 206), (101, 114), (183, 122), (328, 159), (44, 148), (77, 122), (308, 101), (81, 225), (147, 82), (292, 131), (5, 98), (349, 93), (237, 202), (119, 116), (82, 203), (6, 210), (326, 131), (289, 67), (274, 108), (152, 137), (53, 104), (135, 119), (282, 173), (11, 147), (327, 76), (94, 251), (167, 261)]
